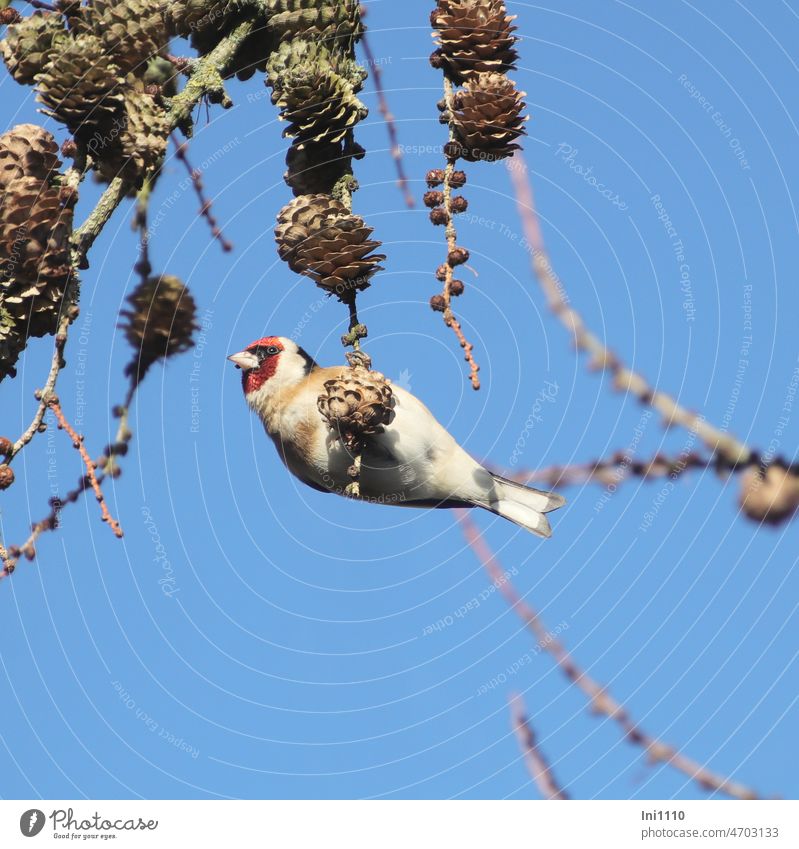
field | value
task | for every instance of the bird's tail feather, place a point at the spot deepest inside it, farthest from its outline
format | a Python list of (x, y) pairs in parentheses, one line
[(524, 505)]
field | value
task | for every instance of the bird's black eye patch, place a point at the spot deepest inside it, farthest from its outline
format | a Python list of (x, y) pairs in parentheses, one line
[(264, 351)]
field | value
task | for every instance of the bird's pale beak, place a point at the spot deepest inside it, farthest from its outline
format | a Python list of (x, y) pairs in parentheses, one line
[(244, 360)]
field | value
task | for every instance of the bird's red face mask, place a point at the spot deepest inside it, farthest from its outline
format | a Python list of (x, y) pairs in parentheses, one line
[(258, 362)]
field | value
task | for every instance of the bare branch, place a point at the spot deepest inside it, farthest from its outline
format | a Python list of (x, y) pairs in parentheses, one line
[(602, 358), (108, 463), (388, 117), (46, 392), (206, 208), (537, 765), (601, 702), (77, 442), (619, 467)]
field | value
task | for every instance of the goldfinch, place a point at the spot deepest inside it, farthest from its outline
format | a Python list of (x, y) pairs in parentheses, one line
[(412, 462)]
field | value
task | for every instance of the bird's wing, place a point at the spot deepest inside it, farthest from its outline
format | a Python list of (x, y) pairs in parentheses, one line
[(417, 457)]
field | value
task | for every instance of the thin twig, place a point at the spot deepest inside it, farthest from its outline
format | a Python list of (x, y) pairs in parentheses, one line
[(143, 266), (77, 442), (452, 243), (47, 390), (110, 468), (356, 330), (601, 358), (206, 208), (601, 702), (614, 470), (388, 117), (537, 765)]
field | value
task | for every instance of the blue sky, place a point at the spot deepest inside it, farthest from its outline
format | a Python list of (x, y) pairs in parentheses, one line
[(292, 655)]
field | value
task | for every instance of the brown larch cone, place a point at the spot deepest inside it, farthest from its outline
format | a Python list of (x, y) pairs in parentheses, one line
[(35, 232), (132, 31), (27, 150), (487, 117), (769, 496), (82, 88), (160, 323), (357, 403), (474, 36), (318, 237), (29, 44), (301, 217)]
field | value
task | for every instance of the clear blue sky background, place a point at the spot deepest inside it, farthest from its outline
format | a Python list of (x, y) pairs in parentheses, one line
[(291, 658)]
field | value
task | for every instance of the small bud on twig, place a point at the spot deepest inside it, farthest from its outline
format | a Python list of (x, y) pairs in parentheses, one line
[(433, 199), (435, 177), (457, 256), (6, 476)]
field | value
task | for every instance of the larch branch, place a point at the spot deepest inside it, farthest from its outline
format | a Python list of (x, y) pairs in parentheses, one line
[(601, 357), (537, 764), (601, 702), (77, 442), (388, 117)]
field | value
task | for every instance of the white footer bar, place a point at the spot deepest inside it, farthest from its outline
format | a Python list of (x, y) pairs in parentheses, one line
[(400, 824)]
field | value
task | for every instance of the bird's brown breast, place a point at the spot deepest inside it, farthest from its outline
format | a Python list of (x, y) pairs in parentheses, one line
[(293, 421)]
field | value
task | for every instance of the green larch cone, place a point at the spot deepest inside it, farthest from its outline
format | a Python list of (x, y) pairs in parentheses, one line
[(333, 24), (316, 91), (187, 17), (132, 31), (161, 72), (82, 88), (140, 146), (29, 44)]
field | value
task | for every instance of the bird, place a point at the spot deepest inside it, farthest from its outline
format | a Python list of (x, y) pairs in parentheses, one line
[(412, 462)]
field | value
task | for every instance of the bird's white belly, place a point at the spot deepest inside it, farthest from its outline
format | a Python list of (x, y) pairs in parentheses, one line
[(402, 464)]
